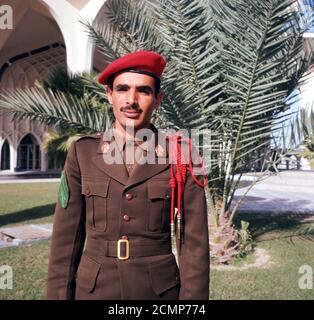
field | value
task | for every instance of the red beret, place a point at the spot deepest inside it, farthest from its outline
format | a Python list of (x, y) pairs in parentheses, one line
[(146, 62)]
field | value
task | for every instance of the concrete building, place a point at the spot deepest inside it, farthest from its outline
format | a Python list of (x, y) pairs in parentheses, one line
[(44, 34)]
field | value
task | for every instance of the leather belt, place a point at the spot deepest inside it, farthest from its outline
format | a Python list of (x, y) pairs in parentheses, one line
[(125, 248)]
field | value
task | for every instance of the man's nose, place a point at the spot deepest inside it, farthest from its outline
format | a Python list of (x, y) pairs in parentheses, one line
[(132, 97)]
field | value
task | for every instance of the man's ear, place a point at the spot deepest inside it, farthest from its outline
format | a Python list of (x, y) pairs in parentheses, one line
[(159, 98), (109, 94)]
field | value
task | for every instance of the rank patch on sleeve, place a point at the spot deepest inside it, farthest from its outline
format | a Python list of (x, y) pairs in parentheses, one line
[(63, 190)]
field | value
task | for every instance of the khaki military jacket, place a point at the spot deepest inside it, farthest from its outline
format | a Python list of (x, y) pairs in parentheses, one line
[(112, 238)]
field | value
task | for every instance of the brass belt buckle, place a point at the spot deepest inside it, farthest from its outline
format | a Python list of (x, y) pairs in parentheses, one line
[(126, 241)]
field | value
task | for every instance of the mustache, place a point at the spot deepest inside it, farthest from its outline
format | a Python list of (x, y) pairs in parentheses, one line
[(132, 107)]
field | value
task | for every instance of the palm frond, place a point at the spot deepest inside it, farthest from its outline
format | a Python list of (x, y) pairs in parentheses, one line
[(53, 108), (57, 144), (194, 56)]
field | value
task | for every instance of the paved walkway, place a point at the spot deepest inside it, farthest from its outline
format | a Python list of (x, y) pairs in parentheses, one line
[(289, 192), (20, 235), (28, 177), (33, 180)]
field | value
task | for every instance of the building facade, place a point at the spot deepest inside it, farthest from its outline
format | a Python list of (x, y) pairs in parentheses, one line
[(45, 34)]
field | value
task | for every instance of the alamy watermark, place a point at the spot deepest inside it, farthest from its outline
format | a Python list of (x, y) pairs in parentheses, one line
[(6, 277), (6, 17), (306, 280), (157, 147)]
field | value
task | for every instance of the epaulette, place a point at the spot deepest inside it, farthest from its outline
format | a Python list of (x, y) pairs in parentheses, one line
[(96, 135)]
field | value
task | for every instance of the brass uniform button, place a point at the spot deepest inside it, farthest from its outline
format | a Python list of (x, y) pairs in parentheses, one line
[(129, 196), (105, 147), (126, 217)]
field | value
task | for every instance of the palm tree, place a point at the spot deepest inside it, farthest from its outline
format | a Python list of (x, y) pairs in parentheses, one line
[(231, 68)]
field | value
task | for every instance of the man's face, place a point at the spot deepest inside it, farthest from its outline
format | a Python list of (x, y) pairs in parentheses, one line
[(133, 99)]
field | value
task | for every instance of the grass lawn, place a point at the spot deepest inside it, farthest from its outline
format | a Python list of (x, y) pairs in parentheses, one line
[(23, 203), (29, 266), (278, 279), (289, 240)]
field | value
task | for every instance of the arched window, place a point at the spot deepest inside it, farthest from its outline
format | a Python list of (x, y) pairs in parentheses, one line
[(28, 154), (5, 156)]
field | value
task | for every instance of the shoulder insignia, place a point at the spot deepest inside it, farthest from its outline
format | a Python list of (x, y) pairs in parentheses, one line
[(63, 190), (96, 135)]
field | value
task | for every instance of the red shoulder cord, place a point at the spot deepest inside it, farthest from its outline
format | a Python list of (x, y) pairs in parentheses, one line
[(178, 178)]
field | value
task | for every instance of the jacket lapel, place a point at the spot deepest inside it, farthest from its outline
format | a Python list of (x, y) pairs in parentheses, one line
[(115, 170)]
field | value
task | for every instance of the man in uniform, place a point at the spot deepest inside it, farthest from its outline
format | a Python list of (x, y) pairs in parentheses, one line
[(121, 210)]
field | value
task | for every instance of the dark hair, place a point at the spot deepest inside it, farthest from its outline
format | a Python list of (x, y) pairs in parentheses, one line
[(111, 79)]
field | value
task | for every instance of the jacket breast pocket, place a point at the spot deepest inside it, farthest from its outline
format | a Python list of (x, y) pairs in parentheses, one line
[(96, 197), (159, 201)]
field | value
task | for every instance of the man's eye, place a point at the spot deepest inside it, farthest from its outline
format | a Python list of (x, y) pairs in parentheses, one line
[(144, 91), (121, 89)]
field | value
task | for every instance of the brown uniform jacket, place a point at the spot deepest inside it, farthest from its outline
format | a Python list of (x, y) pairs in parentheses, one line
[(106, 204)]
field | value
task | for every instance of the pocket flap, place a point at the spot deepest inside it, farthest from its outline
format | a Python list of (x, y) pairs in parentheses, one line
[(95, 188), (158, 189), (87, 273), (164, 274)]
